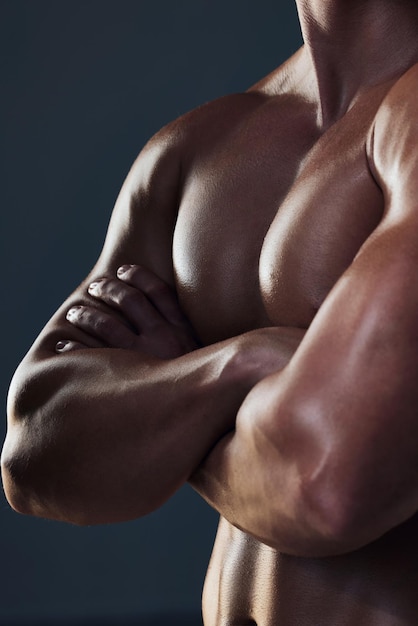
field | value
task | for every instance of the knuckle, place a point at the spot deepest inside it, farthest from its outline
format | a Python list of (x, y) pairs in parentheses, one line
[(126, 298), (104, 325), (109, 288)]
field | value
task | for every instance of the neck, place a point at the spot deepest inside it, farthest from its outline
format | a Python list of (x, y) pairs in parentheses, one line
[(354, 44)]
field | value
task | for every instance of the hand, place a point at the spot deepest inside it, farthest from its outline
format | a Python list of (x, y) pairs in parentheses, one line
[(144, 315)]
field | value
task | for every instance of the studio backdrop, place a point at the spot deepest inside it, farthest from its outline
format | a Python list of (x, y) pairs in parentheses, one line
[(85, 83)]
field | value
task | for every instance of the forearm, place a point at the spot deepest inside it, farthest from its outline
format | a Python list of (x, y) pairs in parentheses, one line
[(251, 484), (105, 435), (256, 484), (258, 487)]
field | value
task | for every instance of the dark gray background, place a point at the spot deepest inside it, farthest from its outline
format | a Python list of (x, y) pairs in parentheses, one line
[(84, 85)]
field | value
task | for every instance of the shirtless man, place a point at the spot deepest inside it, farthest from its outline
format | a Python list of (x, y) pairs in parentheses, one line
[(277, 371)]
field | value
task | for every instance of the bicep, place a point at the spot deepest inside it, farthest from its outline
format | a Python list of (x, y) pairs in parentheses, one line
[(143, 220), (140, 232), (342, 418)]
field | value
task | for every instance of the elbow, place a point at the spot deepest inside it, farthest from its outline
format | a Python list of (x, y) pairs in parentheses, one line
[(321, 526), (19, 472), (329, 520), (17, 469), (33, 487), (15, 462), (39, 481), (29, 466), (12, 489), (341, 512), (16, 485), (62, 459)]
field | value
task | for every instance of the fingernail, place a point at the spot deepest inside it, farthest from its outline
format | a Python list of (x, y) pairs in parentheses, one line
[(73, 312), (93, 286), (123, 269), (61, 345)]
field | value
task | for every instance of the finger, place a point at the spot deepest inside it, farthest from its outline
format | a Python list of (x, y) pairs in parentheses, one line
[(103, 326), (129, 301), (162, 296), (65, 345)]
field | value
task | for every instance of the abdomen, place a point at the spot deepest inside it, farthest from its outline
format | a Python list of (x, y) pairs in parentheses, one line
[(251, 584)]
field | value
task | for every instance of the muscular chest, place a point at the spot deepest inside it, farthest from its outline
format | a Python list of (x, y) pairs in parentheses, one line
[(269, 221)]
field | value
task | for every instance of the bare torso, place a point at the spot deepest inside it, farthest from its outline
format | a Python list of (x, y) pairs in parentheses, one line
[(250, 583), (259, 202), (277, 209)]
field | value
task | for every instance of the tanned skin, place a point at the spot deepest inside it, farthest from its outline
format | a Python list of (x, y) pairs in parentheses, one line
[(260, 339)]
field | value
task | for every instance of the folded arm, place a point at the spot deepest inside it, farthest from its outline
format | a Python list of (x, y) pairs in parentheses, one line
[(317, 458), (103, 435), (324, 458)]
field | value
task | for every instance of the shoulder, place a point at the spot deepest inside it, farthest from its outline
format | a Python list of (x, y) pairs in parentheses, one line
[(144, 217), (402, 93), (394, 135), (172, 149), (204, 128), (165, 161)]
